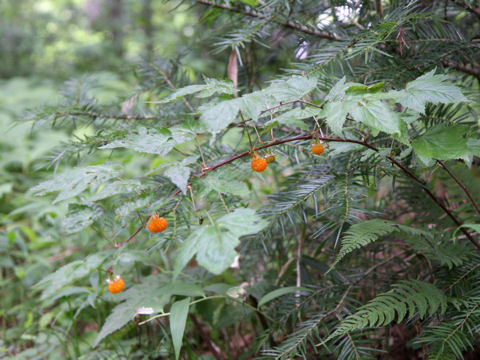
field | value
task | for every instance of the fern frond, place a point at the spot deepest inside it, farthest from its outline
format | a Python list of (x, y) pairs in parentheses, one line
[(404, 300), (364, 233)]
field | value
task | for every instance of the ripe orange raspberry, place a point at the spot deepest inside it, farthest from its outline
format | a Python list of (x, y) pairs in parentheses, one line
[(116, 285), (157, 224), (259, 164), (317, 149)]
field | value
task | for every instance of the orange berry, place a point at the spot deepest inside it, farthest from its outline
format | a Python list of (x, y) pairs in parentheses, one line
[(270, 158), (157, 224), (259, 164), (117, 285), (317, 149)]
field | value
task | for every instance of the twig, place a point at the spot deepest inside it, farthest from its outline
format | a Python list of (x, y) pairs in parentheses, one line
[(207, 339), (458, 181), (170, 84), (118, 245), (287, 24), (96, 115)]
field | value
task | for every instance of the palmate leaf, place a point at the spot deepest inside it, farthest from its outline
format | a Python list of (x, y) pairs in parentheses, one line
[(404, 300), (366, 232), (214, 245)]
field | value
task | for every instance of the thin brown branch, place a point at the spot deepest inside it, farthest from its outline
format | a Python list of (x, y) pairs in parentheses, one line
[(117, 245), (96, 115), (170, 84), (216, 352), (462, 185), (468, 69), (287, 24)]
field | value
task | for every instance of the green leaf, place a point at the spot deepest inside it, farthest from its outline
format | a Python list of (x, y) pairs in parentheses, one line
[(73, 182), (378, 116), (226, 186), (218, 116), (179, 175), (178, 319), (211, 87), (80, 216), (336, 112), (138, 297), (71, 272), (145, 140), (214, 245), (280, 292), (442, 142), (338, 90), (293, 117), (117, 187), (123, 211), (429, 88), (182, 288)]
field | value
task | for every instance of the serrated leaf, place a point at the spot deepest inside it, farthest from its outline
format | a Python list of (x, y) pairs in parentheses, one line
[(214, 245), (442, 142), (378, 116), (338, 90), (117, 187), (179, 175), (429, 88), (124, 210), (335, 113), (218, 116), (293, 117), (178, 319), (280, 292), (226, 186), (73, 182), (211, 87), (145, 140), (80, 216), (69, 273)]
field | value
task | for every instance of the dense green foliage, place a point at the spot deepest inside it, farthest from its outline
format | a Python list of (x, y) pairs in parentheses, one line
[(369, 250)]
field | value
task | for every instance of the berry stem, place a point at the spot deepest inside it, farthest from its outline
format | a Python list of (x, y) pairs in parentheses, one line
[(246, 130)]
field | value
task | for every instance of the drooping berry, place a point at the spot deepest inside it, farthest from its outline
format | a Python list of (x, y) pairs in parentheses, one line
[(116, 284), (259, 164), (317, 149), (157, 224), (270, 158)]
